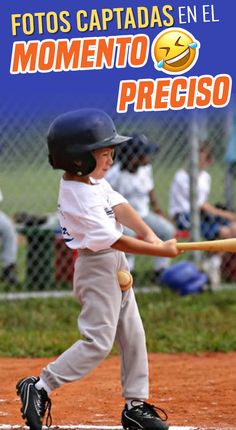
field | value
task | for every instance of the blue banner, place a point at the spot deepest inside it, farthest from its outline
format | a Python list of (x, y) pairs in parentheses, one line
[(137, 56)]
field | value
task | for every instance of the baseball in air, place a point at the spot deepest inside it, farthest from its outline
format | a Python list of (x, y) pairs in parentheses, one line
[(125, 279)]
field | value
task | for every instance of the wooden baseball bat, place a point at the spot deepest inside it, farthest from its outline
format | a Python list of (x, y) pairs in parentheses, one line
[(223, 245)]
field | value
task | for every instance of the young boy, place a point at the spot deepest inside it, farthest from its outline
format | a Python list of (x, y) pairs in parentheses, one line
[(82, 143)]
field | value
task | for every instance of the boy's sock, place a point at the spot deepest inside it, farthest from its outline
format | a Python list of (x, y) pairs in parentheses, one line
[(41, 384)]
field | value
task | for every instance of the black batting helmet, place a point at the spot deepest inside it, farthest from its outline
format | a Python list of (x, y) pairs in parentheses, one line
[(73, 136)]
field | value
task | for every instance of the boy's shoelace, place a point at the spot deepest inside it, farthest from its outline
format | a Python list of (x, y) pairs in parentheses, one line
[(47, 409), (148, 409)]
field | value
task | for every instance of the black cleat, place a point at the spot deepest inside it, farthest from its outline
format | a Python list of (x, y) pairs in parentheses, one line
[(35, 403), (143, 416)]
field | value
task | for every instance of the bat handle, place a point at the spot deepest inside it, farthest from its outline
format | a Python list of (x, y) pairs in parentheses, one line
[(184, 246)]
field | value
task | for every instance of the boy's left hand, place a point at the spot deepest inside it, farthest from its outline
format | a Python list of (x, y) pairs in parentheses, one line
[(170, 246)]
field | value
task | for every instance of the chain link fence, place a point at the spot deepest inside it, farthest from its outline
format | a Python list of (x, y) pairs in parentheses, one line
[(30, 187)]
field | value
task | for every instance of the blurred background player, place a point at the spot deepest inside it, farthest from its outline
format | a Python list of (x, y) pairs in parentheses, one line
[(132, 176), (216, 222), (8, 239)]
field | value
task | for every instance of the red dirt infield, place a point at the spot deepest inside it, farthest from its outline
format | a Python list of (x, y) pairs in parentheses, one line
[(195, 390)]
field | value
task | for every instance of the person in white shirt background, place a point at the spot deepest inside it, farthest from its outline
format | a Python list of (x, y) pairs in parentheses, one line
[(215, 222), (132, 176), (8, 241)]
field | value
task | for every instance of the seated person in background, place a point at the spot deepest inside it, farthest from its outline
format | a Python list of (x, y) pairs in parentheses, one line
[(132, 176), (216, 223), (8, 239)]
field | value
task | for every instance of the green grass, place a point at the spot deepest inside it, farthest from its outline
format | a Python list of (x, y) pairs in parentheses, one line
[(30, 188), (202, 322)]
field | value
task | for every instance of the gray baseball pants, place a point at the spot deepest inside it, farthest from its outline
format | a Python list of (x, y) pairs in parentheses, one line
[(108, 315)]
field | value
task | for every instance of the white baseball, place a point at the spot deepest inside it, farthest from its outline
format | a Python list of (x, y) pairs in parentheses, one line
[(125, 279)]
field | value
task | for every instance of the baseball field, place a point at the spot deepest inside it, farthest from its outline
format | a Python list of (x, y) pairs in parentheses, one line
[(196, 391), (191, 342)]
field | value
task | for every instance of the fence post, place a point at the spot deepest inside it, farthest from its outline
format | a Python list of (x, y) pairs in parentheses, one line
[(230, 160), (193, 173)]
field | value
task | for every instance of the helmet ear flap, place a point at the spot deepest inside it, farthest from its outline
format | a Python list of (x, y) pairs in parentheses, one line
[(85, 164)]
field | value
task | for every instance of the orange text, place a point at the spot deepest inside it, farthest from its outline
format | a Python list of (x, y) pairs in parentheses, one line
[(79, 54), (174, 93)]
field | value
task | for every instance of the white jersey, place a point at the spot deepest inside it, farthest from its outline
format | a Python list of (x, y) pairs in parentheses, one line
[(86, 216), (135, 187), (180, 191), (1, 196)]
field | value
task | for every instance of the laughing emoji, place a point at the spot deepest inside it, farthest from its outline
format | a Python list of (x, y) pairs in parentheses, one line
[(174, 51)]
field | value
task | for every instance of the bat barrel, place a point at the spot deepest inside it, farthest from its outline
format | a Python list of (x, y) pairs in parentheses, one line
[(224, 245)]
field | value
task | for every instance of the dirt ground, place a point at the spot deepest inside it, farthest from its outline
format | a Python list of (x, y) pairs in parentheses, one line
[(195, 390)]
